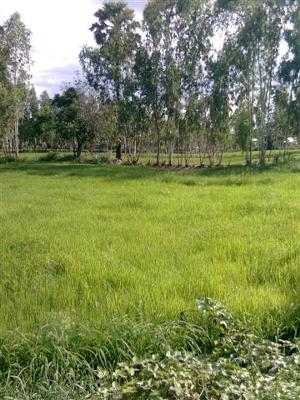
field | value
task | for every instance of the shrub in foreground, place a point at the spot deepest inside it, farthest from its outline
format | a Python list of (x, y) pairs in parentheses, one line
[(238, 364), (241, 366)]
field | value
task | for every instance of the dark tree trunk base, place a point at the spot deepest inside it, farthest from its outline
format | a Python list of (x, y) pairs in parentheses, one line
[(118, 152)]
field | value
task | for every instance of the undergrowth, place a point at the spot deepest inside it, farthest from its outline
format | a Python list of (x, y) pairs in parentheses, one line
[(176, 361)]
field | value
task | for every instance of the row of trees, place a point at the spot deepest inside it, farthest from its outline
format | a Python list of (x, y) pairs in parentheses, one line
[(195, 76)]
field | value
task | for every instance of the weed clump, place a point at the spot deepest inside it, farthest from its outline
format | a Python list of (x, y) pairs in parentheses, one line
[(51, 156), (103, 160)]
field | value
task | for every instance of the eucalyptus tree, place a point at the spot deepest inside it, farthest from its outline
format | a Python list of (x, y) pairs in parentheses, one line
[(196, 44), (3, 58), (177, 39), (16, 39), (240, 55), (219, 109), (28, 122), (171, 25), (163, 23), (6, 115), (108, 66), (44, 134), (269, 26), (4, 53), (192, 25), (290, 70), (243, 130), (280, 125), (149, 69), (5, 90), (196, 121), (254, 63), (134, 119)]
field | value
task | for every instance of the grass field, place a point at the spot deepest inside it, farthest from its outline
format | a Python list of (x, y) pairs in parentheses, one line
[(96, 242), (98, 261)]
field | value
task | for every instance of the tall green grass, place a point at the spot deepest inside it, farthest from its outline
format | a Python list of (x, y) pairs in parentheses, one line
[(99, 263), (92, 243)]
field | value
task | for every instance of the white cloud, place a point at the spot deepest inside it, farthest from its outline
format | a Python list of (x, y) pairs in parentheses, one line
[(59, 30)]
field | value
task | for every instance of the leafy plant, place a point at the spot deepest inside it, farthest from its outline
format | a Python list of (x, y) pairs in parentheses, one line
[(241, 366)]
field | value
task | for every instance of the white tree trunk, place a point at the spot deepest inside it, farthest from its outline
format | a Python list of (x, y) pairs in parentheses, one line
[(17, 137)]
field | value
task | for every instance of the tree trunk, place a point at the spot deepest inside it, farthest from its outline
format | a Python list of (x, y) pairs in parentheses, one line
[(119, 150), (16, 137), (158, 141), (262, 151), (78, 149), (149, 151), (170, 151), (250, 151)]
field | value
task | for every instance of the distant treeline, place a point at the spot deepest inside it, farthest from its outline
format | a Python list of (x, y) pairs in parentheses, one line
[(193, 77)]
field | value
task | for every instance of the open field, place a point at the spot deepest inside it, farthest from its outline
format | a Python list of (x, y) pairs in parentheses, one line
[(96, 242), (98, 261), (150, 202)]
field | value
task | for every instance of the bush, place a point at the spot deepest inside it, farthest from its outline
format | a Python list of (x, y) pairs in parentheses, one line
[(51, 156), (237, 365), (241, 365), (103, 160)]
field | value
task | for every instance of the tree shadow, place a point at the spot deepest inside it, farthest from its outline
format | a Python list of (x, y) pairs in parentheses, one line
[(80, 170), (125, 172)]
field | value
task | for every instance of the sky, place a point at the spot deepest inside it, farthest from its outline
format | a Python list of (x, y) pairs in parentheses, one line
[(59, 30)]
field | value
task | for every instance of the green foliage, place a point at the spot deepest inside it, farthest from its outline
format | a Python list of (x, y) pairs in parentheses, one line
[(241, 365), (290, 70), (218, 104), (42, 125), (15, 40), (115, 34), (77, 118), (243, 129), (165, 84), (65, 363)]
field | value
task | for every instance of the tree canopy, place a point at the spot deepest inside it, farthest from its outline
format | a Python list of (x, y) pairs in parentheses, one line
[(194, 77)]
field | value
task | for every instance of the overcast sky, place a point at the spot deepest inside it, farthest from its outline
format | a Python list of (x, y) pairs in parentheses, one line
[(59, 30)]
